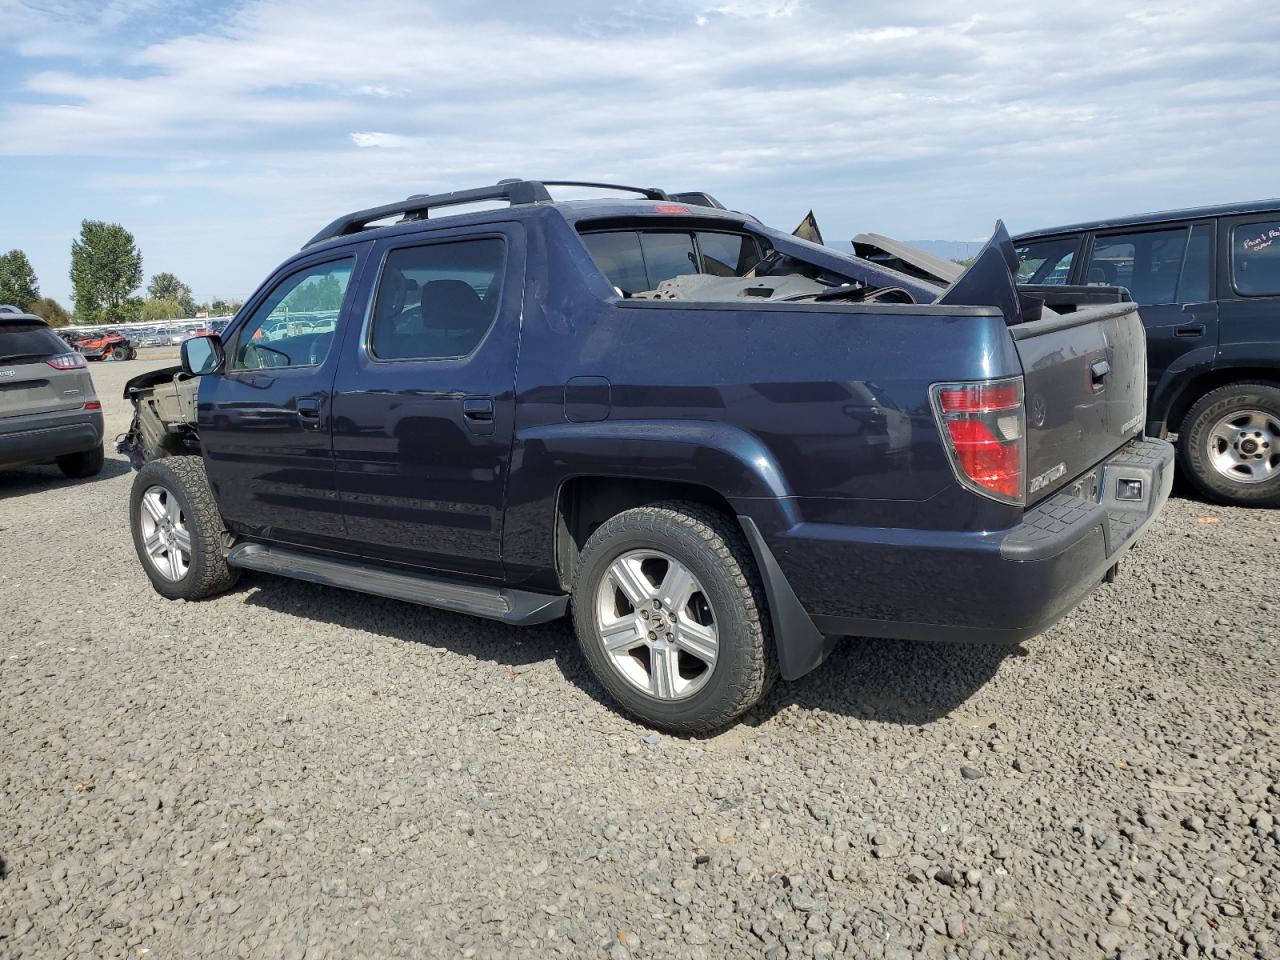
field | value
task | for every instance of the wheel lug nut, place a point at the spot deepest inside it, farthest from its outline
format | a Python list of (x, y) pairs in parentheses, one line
[(669, 637), (652, 635), (657, 604)]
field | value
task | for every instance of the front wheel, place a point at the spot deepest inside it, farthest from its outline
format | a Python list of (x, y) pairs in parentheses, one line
[(1229, 444), (120, 353), (671, 617), (178, 531)]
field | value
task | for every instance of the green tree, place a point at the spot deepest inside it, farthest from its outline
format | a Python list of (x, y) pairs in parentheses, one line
[(155, 308), (165, 286), (106, 268), (50, 310), (18, 284)]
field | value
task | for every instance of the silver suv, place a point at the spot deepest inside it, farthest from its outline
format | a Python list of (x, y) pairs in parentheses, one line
[(49, 412)]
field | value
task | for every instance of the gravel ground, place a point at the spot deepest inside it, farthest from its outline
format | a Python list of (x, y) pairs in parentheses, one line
[(287, 771)]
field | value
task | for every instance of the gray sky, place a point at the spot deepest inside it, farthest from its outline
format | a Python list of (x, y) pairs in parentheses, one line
[(224, 135)]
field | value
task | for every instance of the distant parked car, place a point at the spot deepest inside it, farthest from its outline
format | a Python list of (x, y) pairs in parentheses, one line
[(1208, 284), (49, 412)]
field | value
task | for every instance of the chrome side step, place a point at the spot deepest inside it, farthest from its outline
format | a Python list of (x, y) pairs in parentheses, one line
[(495, 603)]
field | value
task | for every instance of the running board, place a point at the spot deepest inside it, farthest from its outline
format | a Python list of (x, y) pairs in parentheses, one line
[(495, 603)]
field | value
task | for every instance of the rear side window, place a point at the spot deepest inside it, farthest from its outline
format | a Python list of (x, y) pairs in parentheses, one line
[(1255, 258), (437, 301), (1147, 264), (636, 261), (25, 340), (1047, 261)]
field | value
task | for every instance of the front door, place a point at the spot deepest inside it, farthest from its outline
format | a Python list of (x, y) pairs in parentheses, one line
[(1169, 272), (265, 421), (424, 403)]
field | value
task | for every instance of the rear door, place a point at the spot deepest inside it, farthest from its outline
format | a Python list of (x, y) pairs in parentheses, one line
[(1249, 275), (1168, 270), (265, 422), (28, 384), (424, 401)]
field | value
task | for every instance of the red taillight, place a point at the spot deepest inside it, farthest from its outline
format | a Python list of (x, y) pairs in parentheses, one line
[(984, 426), (93, 405), (67, 361)]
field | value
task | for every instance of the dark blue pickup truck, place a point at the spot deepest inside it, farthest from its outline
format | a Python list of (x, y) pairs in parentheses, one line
[(720, 444)]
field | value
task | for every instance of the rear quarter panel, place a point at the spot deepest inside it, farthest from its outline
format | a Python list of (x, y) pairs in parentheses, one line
[(825, 410)]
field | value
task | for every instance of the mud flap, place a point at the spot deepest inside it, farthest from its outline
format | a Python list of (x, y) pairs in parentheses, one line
[(800, 646)]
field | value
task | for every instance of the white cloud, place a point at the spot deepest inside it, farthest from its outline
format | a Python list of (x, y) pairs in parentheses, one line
[(386, 140), (918, 119)]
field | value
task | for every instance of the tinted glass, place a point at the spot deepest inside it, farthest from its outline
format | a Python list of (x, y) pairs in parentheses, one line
[(1255, 258), (1147, 264), (1193, 287), (619, 258), (727, 254), (667, 255), (1047, 261), (33, 341), (294, 326), (437, 301)]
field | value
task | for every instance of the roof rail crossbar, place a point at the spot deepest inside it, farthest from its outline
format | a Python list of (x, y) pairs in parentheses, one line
[(515, 192), (650, 193)]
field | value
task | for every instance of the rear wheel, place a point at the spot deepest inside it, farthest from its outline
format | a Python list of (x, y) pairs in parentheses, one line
[(177, 530), (86, 463), (671, 618), (120, 352), (1229, 444)]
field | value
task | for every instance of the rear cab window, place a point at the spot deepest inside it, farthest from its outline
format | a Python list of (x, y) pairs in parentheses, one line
[(1255, 258), (635, 261), (28, 340)]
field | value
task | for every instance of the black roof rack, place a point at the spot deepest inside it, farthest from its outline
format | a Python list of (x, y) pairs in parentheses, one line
[(515, 192)]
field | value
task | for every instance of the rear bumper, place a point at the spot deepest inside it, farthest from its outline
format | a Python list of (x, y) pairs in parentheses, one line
[(42, 438), (993, 586)]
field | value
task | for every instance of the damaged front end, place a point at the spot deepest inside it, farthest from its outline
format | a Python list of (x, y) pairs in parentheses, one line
[(164, 416)]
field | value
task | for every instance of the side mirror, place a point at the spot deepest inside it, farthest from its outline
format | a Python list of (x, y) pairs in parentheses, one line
[(202, 355)]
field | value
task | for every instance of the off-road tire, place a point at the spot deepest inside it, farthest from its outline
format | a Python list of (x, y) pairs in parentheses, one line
[(185, 478), (119, 353), (714, 549), (1193, 442), (86, 463)]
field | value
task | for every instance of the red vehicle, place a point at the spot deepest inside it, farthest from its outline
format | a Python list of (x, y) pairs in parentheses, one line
[(108, 345)]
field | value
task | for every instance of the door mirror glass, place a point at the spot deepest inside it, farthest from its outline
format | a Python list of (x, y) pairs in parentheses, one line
[(202, 355)]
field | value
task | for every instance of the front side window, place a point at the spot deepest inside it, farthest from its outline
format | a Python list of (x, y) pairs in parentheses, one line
[(437, 301), (1255, 258), (294, 326), (1146, 264), (1047, 261)]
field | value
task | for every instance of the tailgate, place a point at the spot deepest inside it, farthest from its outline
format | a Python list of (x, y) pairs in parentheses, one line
[(30, 388), (1085, 381), (1084, 365)]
